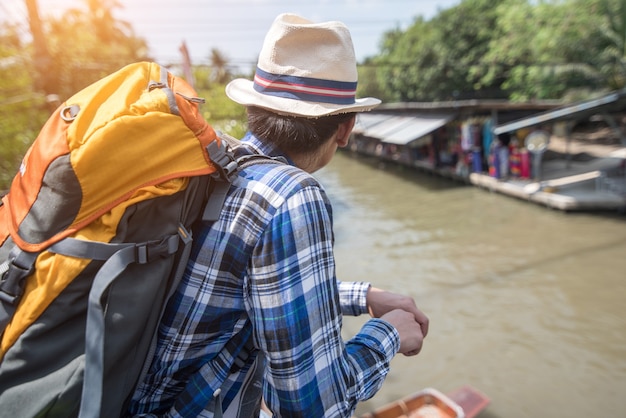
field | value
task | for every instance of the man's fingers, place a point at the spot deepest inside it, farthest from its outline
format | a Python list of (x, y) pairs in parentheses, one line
[(423, 321)]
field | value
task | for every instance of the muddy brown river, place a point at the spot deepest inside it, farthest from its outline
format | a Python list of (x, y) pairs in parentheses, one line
[(527, 304)]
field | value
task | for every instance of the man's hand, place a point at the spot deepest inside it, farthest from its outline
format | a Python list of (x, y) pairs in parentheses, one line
[(411, 337), (381, 302)]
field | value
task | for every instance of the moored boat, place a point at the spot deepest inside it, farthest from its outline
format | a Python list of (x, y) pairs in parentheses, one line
[(464, 402)]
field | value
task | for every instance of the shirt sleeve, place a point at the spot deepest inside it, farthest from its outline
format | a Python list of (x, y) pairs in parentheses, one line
[(353, 297), (296, 310)]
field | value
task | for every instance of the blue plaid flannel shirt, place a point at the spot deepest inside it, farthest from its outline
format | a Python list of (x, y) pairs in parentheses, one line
[(263, 275)]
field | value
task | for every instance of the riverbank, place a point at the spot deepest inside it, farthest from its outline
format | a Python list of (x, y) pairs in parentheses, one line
[(580, 174), (585, 173), (510, 149)]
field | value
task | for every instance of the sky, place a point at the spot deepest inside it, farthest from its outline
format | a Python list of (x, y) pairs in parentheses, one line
[(236, 28)]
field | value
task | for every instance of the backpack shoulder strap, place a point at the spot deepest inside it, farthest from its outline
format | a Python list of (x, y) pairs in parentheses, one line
[(228, 168)]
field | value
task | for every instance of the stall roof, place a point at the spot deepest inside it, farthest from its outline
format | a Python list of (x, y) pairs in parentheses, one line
[(366, 120), (581, 109), (383, 129), (400, 130), (416, 128)]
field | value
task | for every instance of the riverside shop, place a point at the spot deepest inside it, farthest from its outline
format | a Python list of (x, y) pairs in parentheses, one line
[(496, 145), (452, 139)]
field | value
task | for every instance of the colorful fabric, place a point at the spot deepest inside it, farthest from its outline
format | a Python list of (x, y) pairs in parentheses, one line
[(264, 276)]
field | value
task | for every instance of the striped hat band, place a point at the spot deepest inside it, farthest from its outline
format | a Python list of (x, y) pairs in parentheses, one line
[(305, 88)]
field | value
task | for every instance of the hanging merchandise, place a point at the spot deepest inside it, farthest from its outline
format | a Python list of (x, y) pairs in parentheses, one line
[(477, 163), (515, 162), (503, 160), (524, 164), (494, 160), (467, 142), (475, 132), (487, 135)]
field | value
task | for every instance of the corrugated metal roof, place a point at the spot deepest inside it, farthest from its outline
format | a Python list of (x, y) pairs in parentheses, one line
[(399, 130), (416, 128), (366, 120), (579, 109), (383, 129)]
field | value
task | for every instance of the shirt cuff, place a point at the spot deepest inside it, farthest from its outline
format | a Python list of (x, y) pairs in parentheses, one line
[(381, 336), (353, 297)]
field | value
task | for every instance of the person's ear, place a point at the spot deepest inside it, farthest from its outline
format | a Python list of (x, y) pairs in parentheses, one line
[(344, 130)]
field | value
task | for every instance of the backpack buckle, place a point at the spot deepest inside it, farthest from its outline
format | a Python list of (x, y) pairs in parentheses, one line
[(146, 252), (224, 161), (12, 283)]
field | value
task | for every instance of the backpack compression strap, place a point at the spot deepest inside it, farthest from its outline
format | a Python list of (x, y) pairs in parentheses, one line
[(13, 273), (118, 257)]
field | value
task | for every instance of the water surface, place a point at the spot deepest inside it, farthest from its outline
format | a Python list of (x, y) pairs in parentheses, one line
[(527, 304)]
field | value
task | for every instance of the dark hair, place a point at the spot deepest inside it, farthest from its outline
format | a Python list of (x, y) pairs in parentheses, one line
[(294, 134)]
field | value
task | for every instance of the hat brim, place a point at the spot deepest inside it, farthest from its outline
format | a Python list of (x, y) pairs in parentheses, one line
[(242, 91)]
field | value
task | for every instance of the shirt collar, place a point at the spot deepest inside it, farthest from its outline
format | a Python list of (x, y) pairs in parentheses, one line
[(264, 147)]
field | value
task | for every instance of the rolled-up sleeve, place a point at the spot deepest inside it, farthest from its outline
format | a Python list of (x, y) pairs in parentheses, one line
[(353, 297)]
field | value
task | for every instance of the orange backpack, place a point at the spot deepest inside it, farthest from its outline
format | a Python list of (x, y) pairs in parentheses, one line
[(95, 233)]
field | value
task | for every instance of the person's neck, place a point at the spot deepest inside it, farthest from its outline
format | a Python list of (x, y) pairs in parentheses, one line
[(307, 162), (315, 160)]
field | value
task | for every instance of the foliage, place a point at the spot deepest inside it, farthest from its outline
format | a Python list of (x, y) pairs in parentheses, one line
[(105, 44), (516, 49), (439, 59), (544, 50), (82, 47), (463, 37), (407, 62), (22, 109), (202, 77), (222, 113), (610, 33), (369, 84)]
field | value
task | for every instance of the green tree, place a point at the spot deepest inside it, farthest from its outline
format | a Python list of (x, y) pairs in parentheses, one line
[(21, 114), (202, 76), (222, 113), (368, 84), (543, 51), (463, 35), (610, 32), (517, 49), (87, 44), (84, 45), (441, 59), (408, 62)]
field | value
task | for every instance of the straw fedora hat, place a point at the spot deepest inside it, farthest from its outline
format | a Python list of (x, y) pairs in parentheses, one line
[(304, 69)]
